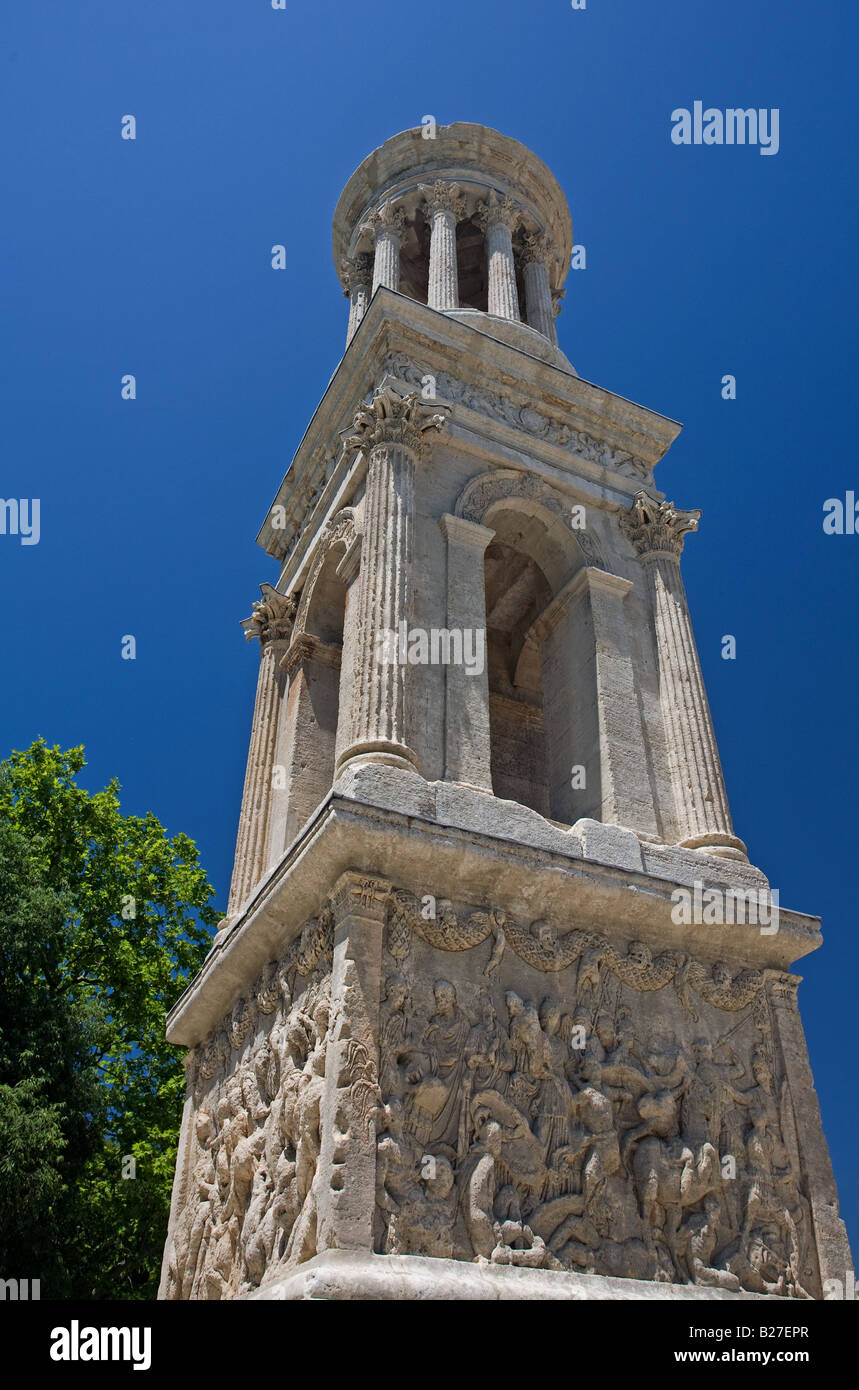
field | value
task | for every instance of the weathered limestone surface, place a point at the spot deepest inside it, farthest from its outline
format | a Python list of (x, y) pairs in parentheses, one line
[(458, 1035)]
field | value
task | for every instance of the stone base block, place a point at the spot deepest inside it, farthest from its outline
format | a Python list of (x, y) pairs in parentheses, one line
[(347, 1274)]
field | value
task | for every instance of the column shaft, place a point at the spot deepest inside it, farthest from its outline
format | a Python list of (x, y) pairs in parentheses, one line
[(443, 280), (390, 431), (503, 298), (693, 756), (386, 263), (253, 821), (538, 299), (703, 820)]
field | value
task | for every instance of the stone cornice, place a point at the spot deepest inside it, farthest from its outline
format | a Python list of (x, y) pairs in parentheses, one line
[(563, 886), (395, 325)]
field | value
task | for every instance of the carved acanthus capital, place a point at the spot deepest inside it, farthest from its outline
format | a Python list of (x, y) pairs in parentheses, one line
[(442, 197), (538, 247), (272, 617), (389, 219), (357, 273), (499, 209), (393, 419), (657, 527)]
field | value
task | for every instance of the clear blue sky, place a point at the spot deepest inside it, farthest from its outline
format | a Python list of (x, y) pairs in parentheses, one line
[(153, 257)]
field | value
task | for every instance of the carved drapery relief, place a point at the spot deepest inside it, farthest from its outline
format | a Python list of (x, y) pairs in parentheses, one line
[(520, 417), (628, 1116)]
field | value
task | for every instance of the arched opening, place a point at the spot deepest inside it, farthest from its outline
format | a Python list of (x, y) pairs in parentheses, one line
[(313, 702), (543, 718), (516, 592)]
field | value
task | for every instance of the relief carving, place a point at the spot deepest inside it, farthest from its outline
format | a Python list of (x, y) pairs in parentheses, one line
[(576, 1129)]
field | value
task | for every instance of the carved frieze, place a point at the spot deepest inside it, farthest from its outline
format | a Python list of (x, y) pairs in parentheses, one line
[(533, 422)]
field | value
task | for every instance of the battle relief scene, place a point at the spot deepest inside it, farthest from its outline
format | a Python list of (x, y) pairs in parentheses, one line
[(453, 1038), (538, 1098)]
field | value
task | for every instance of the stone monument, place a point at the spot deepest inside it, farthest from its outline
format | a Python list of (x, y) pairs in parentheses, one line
[(500, 1008)]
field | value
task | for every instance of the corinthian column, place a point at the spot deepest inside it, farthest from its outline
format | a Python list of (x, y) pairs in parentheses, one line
[(444, 205), (386, 227), (390, 432), (498, 218), (539, 309), (657, 530), (358, 275), (271, 623)]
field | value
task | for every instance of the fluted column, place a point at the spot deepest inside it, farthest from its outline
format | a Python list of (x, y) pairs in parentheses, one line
[(499, 218), (443, 206), (539, 309), (358, 275), (271, 623), (657, 531), (390, 432), (386, 226)]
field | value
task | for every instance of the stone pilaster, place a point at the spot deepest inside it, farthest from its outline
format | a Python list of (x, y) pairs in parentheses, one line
[(444, 205), (585, 627), (386, 226), (347, 1161), (657, 531), (467, 737), (801, 1110), (390, 432), (499, 218), (358, 275), (271, 623), (539, 309)]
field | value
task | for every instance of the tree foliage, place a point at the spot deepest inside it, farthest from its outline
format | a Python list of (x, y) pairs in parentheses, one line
[(103, 919)]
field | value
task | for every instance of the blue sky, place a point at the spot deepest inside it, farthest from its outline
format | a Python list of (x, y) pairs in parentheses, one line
[(153, 257)]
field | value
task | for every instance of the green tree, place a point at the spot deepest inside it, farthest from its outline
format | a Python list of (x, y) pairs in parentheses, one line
[(103, 919)]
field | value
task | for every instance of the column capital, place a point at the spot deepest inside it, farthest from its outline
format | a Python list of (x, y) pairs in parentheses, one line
[(393, 419), (357, 273), (389, 218), (272, 617), (499, 209), (442, 196), (657, 528), (462, 532), (537, 247)]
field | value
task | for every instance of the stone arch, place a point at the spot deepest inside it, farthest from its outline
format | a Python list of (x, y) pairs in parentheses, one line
[(340, 532), (318, 666), (543, 708), (482, 495)]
